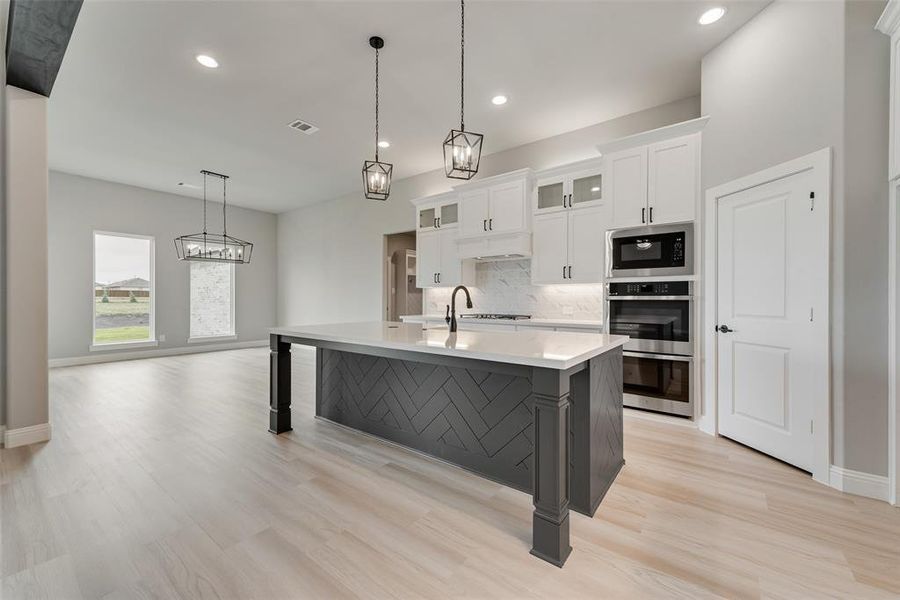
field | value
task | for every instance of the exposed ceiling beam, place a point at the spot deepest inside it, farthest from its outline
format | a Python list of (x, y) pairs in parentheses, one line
[(38, 33)]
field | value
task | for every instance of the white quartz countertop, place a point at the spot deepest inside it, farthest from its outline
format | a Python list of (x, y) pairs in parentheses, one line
[(585, 323), (532, 347)]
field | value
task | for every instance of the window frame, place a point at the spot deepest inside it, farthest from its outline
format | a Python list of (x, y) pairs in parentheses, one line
[(94, 346), (194, 339)]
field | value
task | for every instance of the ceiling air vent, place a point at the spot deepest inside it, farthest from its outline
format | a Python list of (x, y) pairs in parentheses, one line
[(303, 127)]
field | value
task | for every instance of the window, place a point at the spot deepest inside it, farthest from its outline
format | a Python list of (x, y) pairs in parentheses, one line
[(212, 300), (123, 289)]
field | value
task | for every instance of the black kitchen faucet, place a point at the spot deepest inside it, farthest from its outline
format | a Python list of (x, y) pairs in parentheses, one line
[(451, 308)]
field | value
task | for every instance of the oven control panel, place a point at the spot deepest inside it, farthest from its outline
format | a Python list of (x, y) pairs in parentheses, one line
[(651, 288)]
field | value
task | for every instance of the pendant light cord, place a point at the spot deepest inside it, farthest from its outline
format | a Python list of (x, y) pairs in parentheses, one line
[(224, 211), (376, 104), (462, 65), (204, 204)]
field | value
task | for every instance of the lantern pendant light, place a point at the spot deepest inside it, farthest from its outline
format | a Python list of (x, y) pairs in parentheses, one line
[(377, 175), (214, 247), (462, 149)]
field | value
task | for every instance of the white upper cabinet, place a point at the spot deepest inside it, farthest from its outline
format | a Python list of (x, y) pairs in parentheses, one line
[(654, 184), (437, 259), (673, 183), (473, 214), (568, 246), (570, 186), (438, 211), (428, 258), (626, 183), (507, 207), (550, 248), (495, 206), (586, 245)]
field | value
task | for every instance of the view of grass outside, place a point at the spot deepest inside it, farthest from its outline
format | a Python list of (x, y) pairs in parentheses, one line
[(121, 320), (123, 271)]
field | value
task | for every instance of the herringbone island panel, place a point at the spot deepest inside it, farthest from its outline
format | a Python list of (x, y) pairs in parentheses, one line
[(479, 420)]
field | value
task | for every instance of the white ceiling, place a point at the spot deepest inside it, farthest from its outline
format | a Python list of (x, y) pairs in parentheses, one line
[(132, 105)]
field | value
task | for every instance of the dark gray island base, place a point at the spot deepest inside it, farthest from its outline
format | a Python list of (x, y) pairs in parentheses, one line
[(555, 433)]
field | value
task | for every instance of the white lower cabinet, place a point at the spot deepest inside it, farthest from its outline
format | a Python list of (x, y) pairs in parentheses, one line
[(568, 246), (437, 260)]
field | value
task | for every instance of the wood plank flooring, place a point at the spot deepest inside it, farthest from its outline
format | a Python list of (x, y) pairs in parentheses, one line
[(162, 482)]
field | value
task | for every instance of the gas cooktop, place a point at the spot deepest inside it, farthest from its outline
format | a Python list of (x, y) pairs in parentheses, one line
[(494, 316)]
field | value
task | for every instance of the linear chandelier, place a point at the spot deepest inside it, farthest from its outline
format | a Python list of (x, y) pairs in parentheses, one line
[(214, 247)]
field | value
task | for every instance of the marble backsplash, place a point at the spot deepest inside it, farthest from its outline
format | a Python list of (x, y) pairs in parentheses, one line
[(505, 287)]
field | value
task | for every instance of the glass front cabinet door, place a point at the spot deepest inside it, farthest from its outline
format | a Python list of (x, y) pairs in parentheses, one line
[(586, 188), (428, 218), (551, 194)]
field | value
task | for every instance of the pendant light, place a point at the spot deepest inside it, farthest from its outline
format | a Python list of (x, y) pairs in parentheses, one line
[(462, 149), (214, 247), (377, 175)]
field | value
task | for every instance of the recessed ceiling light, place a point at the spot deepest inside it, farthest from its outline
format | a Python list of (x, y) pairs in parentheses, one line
[(207, 61), (384, 144), (711, 16), (499, 100)]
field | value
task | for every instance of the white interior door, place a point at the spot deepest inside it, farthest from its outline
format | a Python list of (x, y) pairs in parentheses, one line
[(772, 266)]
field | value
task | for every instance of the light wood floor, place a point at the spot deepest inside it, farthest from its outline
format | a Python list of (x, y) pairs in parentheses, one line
[(162, 482)]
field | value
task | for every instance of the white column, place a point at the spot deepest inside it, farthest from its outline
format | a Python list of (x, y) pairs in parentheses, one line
[(27, 414)]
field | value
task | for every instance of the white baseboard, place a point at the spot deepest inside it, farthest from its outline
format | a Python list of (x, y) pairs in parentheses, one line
[(26, 435), (113, 356), (859, 483)]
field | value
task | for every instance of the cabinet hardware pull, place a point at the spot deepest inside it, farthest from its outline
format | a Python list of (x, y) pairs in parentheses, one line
[(570, 200), (651, 214), (435, 223), (434, 277), (484, 224), (564, 200), (564, 271), (439, 277), (643, 215), (570, 271), (491, 224)]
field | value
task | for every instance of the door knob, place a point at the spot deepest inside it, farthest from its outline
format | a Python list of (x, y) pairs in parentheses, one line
[(724, 329)]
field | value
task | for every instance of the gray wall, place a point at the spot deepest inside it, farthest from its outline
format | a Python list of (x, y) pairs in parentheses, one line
[(329, 254), (80, 205), (798, 77)]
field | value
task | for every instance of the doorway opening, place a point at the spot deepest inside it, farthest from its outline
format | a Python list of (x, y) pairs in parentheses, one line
[(401, 296)]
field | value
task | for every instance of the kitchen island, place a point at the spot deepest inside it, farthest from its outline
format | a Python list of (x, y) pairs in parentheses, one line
[(540, 411)]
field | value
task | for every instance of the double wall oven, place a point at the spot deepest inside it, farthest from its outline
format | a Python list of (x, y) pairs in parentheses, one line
[(657, 315)]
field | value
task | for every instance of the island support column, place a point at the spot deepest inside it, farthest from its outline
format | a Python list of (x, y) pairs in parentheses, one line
[(279, 384), (550, 521)]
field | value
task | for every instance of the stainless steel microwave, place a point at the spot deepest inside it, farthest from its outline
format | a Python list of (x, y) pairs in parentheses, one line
[(655, 250)]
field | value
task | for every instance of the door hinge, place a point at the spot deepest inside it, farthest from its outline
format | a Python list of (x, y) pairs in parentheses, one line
[(812, 201)]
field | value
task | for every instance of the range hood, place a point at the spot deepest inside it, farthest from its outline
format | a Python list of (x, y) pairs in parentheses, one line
[(512, 246)]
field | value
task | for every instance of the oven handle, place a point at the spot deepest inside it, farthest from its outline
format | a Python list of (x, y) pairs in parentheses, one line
[(611, 298), (673, 357)]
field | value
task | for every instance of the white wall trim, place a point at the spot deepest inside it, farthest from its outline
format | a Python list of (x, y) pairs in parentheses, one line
[(859, 483), (117, 356), (26, 435), (820, 163), (893, 368)]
